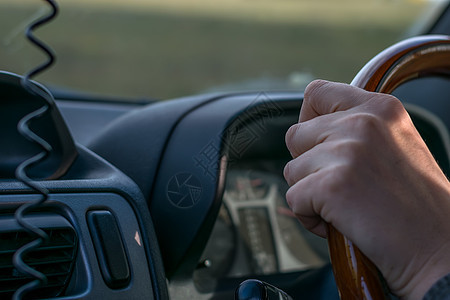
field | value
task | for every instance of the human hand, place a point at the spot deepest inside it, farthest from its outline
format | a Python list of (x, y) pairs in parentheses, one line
[(360, 165)]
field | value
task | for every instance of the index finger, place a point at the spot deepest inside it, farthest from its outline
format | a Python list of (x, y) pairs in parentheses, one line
[(325, 97)]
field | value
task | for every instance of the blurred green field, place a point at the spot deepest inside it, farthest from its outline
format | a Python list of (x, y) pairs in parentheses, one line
[(164, 49)]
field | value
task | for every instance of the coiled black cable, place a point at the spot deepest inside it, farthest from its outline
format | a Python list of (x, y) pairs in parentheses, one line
[(21, 171)]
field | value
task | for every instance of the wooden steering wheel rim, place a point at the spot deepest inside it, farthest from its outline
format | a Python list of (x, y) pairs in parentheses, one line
[(356, 276)]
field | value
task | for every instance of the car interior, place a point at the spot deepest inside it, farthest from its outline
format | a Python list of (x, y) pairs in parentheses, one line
[(175, 199)]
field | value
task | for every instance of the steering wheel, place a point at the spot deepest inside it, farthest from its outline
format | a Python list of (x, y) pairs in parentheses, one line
[(356, 276)]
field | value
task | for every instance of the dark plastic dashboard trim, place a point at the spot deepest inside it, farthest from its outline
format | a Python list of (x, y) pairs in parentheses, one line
[(92, 174)]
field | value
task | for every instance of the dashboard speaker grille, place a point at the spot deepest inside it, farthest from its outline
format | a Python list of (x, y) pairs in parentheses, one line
[(55, 258)]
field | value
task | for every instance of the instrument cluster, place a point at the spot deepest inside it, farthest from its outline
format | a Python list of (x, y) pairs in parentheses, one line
[(256, 233)]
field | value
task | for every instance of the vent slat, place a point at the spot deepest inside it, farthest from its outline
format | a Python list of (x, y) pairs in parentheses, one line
[(48, 269), (49, 275), (65, 247), (47, 287), (55, 258), (38, 263)]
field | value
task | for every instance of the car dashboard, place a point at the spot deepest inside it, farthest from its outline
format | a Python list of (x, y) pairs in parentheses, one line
[(191, 192), (177, 199)]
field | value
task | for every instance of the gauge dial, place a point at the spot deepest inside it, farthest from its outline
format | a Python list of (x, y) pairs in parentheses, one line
[(274, 238), (256, 232)]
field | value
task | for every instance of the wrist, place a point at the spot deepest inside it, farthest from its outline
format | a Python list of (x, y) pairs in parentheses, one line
[(435, 268), (440, 290)]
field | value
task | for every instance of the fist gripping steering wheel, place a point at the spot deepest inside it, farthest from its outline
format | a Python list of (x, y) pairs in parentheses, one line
[(356, 276)]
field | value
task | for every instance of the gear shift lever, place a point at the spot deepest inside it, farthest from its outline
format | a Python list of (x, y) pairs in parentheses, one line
[(253, 289)]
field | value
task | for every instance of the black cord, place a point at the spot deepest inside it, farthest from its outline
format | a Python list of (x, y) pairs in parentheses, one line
[(21, 171)]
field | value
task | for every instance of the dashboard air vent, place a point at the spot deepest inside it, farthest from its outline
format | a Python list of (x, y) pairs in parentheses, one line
[(55, 259)]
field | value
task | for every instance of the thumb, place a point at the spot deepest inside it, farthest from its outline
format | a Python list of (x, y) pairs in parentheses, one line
[(325, 97)]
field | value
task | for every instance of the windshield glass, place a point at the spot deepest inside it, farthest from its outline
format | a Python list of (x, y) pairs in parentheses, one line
[(164, 49)]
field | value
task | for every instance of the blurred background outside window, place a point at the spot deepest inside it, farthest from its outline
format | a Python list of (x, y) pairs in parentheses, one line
[(165, 49)]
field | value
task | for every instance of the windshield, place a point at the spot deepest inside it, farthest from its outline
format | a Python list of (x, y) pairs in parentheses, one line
[(165, 49)]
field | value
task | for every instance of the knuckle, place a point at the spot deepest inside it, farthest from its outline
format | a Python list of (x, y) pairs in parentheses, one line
[(314, 88), (335, 181), (363, 121), (286, 173), (290, 137), (397, 110), (389, 107), (290, 196), (364, 125), (348, 149)]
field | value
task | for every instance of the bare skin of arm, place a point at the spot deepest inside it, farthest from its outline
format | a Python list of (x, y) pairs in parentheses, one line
[(360, 164)]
